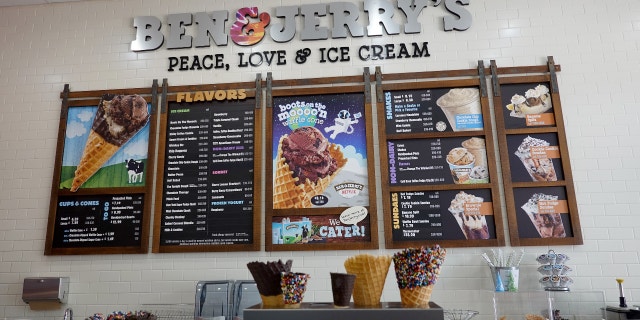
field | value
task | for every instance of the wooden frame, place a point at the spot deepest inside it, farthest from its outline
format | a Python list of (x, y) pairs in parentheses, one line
[(109, 213), (444, 195), (314, 227), (538, 183), (205, 223)]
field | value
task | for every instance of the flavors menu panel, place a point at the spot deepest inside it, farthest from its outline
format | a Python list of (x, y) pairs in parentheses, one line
[(98, 221), (209, 174), (442, 215)]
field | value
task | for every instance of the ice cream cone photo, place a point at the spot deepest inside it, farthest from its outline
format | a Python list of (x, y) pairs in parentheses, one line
[(305, 166), (116, 122)]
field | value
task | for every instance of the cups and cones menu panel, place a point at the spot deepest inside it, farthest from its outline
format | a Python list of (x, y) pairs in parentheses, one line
[(438, 178), (208, 199), (100, 198)]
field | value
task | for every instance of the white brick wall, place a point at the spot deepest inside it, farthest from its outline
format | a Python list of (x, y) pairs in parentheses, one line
[(87, 45)]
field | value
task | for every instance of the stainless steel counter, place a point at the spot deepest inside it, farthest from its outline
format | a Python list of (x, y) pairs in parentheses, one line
[(326, 311)]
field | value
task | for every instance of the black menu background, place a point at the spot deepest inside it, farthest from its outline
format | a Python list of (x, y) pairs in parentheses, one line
[(424, 215), (208, 174), (415, 111), (518, 170), (98, 221), (526, 229), (421, 161)]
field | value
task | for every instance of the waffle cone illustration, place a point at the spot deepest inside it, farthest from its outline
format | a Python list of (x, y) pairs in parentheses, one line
[(267, 277), (416, 297), (371, 273), (117, 120), (306, 164)]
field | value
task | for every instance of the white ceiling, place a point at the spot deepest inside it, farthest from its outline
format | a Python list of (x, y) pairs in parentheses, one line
[(11, 3)]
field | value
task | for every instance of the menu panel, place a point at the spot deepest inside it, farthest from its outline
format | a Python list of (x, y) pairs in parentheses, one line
[(527, 105), (209, 174), (437, 161), (542, 212), (433, 110), (442, 215), (439, 184), (538, 185), (320, 180), (99, 221), (101, 189)]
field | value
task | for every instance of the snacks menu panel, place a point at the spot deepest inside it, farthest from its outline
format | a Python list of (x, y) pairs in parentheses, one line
[(440, 182), (320, 191), (101, 190), (208, 198)]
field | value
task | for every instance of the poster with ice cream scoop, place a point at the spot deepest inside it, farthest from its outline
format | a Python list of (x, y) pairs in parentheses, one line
[(319, 151), (527, 105), (106, 146), (433, 110)]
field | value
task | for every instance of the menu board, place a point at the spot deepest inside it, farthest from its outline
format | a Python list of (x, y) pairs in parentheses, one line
[(208, 172), (438, 183), (101, 186), (458, 160), (538, 183), (320, 170), (442, 215), (433, 109), (99, 221)]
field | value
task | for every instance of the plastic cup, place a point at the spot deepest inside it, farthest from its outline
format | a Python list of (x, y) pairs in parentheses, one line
[(505, 278), (459, 104)]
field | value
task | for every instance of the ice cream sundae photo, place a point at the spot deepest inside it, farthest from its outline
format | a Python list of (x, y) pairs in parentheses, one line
[(474, 226), (548, 225), (534, 101), (539, 167)]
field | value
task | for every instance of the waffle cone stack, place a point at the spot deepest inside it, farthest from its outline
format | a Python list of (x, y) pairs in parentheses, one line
[(371, 273), (416, 297), (267, 277), (287, 193)]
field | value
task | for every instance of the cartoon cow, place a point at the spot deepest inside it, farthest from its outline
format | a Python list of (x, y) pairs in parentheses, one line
[(135, 170)]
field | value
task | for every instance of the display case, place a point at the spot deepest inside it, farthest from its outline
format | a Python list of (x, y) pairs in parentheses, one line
[(541, 305)]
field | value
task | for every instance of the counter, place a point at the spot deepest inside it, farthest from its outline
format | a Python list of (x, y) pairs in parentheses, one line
[(326, 311)]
